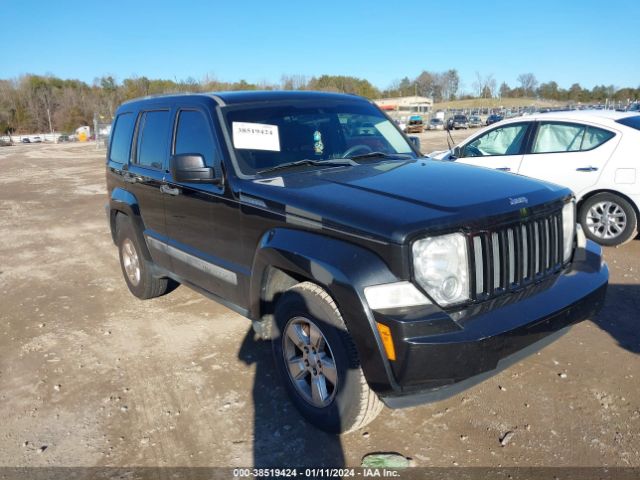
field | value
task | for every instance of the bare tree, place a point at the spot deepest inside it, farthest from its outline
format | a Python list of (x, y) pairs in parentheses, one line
[(293, 82), (450, 84), (528, 82), (485, 87)]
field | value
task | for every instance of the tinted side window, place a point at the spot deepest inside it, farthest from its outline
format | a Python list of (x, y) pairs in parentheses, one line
[(122, 134), (152, 138), (193, 135), (505, 140)]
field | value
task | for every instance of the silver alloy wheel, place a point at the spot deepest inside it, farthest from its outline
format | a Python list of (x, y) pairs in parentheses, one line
[(131, 262), (310, 362), (606, 220)]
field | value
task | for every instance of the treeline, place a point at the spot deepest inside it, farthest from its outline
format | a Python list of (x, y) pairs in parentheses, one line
[(43, 103), (34, 103), (529, 87)]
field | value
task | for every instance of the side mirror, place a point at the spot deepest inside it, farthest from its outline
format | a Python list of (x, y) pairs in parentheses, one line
[(415, 141), (190, 168), (456, 153)]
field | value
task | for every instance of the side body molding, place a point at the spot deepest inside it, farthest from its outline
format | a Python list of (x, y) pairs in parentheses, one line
[(341, 268)]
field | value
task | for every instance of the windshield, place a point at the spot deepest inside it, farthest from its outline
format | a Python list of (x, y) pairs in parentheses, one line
[(265, 136)]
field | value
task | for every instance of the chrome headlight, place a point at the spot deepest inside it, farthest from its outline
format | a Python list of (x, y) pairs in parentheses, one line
[(441, 267), (568, 229)]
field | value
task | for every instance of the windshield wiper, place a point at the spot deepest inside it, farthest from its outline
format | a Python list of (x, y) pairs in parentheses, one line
[(386, 156), (307, 161)]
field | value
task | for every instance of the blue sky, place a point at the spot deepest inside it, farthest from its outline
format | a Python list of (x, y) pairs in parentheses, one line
[(587, 41)]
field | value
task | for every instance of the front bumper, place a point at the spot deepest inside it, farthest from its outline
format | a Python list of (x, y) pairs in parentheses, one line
[(439, 354)]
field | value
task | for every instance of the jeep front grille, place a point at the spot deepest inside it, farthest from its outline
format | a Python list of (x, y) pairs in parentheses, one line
[(510, 257)]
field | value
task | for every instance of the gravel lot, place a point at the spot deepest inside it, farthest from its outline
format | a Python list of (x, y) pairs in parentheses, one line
[(91, 376)]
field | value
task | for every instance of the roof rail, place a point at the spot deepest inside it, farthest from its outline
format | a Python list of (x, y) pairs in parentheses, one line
[(162, 95)]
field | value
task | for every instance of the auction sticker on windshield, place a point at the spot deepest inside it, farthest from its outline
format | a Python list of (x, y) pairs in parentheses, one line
[(256, 136)]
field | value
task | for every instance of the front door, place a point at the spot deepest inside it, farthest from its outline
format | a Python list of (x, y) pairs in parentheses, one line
[(202, 222), (500, 148)]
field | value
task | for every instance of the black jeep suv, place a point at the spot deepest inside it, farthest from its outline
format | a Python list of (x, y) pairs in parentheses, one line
[(378, 274)]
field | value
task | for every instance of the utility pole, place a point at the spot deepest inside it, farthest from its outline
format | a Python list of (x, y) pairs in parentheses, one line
[(49, 117)]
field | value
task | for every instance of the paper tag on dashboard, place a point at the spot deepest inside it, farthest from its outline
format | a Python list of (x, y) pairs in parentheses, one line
[(256, 136)]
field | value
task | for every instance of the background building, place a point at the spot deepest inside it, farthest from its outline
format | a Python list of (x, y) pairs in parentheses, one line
[(414, 104)]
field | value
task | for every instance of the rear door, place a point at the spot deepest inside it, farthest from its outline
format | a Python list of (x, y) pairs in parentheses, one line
[(501, 147), (145, 174), (568, 153)]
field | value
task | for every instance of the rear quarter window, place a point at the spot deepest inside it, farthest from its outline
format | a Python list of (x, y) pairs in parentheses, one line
[(594, 137), (122, 135), (633, 122)]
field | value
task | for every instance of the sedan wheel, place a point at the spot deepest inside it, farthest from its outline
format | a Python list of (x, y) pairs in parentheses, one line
[(608, 219)]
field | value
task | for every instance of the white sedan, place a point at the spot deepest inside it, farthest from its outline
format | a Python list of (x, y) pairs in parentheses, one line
[(595, 153)]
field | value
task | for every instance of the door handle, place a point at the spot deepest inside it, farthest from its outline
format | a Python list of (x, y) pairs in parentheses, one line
[(169, 191), (586, 169), (504, 169)]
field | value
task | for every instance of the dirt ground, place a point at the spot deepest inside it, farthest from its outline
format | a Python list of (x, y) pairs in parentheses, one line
[(91, 376)]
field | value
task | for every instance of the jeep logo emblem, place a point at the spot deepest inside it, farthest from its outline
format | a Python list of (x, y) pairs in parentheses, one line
[(518, 200)]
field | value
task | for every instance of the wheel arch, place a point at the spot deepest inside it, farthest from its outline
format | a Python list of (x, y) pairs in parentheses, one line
[(123, 203), (285, 257), (592, 193)]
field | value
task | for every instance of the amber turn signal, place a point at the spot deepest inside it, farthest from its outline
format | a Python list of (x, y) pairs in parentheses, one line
[(387, 340)]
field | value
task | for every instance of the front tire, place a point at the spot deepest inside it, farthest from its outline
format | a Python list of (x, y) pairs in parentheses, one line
[(608, 219), (135, 269), (318, 362)]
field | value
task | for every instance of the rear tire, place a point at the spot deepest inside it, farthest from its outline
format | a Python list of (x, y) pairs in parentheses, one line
[(608, 219), (318, 362), (135, 269)]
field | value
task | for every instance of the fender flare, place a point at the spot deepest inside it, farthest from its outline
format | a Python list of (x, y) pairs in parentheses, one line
[(123, 201), (343, 269)]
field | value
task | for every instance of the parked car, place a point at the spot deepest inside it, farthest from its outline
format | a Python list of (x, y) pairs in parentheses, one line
[(36, 139), (458, 121), (436, 124), (475, 121), (415, 124), (494, 118), (592, 152), (26, 140), (63, 138), (378, 275), (634, 107)]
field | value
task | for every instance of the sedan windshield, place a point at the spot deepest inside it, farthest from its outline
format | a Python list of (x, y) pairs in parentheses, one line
[(311, 135)]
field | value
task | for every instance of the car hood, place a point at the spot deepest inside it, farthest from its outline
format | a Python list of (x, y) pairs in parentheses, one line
[(392, 201)]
